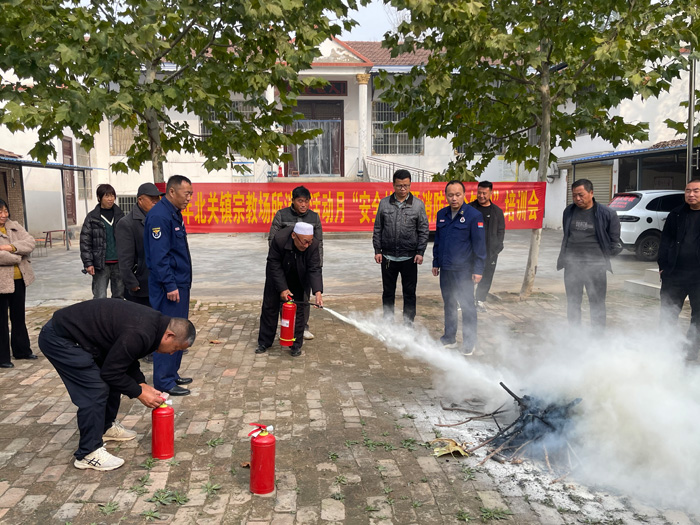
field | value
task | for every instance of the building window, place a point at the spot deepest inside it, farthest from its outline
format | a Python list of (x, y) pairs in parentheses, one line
[(126, 202), (385, 141), (120, 139), (238, 107), (82, 158)]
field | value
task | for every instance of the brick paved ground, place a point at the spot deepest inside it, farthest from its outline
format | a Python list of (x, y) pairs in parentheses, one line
[(349, 416)]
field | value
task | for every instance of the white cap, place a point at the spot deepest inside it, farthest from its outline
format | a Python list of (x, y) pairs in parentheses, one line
[(303, 228)]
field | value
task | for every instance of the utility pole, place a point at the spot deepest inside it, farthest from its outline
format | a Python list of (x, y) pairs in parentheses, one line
[(691, 121)]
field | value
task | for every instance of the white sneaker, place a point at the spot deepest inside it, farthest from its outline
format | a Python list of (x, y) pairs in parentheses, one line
[(118, 433), (308, 335), (468, 351), (480, 306), (99, 459)]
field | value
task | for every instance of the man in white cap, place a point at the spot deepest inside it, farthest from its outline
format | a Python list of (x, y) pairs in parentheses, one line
[(293, 265)]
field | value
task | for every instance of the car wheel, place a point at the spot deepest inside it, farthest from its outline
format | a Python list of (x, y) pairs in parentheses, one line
[(647, 248)]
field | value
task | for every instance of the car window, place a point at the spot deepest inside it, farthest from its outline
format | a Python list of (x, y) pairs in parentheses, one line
[(654, 204), (668, 202), (624, 201)]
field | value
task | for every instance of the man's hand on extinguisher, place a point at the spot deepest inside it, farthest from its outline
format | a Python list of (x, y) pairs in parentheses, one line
[(150, 396), (286, 295), (319, 300)]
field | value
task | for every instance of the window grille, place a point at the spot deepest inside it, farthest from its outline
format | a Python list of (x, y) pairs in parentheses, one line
[(126, 202), (120, 139), (238, 106), (385, 141), (82, 158)]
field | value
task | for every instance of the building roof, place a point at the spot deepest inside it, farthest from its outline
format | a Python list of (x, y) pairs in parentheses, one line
[(669, 145), (381, 56), (9, 154)]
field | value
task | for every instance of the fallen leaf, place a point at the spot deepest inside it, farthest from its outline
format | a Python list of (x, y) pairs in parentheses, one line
[(448, 446), (245, 464), (214, 342)]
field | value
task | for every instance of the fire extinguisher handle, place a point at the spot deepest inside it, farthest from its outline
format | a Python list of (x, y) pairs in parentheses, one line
[(258, 428)]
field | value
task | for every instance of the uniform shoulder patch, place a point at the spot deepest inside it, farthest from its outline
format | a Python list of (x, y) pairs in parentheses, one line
[(479, 224), (156, 233)]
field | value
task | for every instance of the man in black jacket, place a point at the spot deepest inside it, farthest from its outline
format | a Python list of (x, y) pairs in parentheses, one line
[(98, 245), (293, 265), (400, 238), (679, 266), (132, 259), (495, 227), (95, 347), (299, 211), (591, 238)]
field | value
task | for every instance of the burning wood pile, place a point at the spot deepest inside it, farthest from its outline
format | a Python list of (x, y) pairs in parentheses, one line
[(538, 433)]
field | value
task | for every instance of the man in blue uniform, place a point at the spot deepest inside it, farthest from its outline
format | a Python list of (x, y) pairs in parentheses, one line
[(170, 273), (459, 253)]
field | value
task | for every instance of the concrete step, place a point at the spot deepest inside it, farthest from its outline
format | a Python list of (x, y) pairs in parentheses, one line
[(651, 276)]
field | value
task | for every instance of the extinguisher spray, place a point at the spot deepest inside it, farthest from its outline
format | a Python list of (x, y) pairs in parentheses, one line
[(262, 459), (289, 312), (163, 434)]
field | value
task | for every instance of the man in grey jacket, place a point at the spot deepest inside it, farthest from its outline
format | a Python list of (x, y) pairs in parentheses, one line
[(400, 238)]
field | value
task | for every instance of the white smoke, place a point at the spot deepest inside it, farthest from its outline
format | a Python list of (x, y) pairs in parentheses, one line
[(638, 427)]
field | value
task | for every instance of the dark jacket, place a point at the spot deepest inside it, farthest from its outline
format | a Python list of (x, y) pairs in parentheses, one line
[(93, 237), (671, 239), (283, 256), (460, 243), (117, 334), (166, 249), (400, 232), (289, 217), (607, 232), (496, 231), (132, 258)]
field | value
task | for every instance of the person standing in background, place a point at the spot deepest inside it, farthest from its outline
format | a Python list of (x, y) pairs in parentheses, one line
[(170, 274), (132, 258), (98, 244), (15, 275), (495, 228)]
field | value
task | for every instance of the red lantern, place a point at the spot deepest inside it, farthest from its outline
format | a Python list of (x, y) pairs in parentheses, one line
[(163, 434), (289, 312), (279, 171), (262, 460)]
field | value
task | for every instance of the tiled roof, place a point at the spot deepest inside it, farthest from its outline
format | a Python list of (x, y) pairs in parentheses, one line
[(381, 56), (5, 153)]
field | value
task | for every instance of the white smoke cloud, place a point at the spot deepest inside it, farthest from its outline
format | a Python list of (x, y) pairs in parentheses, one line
[(637, 429)]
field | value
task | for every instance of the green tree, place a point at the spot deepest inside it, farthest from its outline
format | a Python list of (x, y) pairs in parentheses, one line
[(137, 62), (502, 71)]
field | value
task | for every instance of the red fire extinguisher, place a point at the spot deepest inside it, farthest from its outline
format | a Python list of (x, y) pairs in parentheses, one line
[(289, 313), (279, 171), (262, 459), (163, 434)]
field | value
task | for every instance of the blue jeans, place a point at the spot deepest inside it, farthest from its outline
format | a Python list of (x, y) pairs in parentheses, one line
[(109, 274), (166, 366), (457, 289)]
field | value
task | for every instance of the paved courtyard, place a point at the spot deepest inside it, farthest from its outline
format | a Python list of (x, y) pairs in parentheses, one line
[(351, 416)]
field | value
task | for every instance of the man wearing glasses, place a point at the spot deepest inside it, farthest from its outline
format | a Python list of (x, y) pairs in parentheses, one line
[(400, 238), (679, 266), (293, 265)]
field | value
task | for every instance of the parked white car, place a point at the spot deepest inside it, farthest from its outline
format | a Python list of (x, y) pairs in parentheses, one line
[(642, 216)]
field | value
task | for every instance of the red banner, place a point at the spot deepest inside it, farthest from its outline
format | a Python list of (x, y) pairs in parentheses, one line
[(343, 206)]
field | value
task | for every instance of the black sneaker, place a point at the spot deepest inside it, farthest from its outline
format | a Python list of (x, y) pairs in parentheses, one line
[(296, 352), (260, 349)]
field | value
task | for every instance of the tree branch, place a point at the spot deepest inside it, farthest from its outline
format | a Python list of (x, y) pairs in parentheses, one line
[(199, 54), (175, 42)]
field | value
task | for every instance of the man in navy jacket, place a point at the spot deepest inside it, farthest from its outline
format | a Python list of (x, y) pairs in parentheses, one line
[(459, 254), (170, 273)]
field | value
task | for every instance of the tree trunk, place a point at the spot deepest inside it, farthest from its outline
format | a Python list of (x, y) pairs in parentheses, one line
[(153, 127), (545, 150)]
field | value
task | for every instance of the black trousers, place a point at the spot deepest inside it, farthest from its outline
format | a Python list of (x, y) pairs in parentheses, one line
[(482, 289), (270, 314), (14, 302), (673, 294), (136, 299), (593, 277), (97, 403), (409, 280)]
